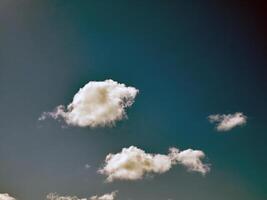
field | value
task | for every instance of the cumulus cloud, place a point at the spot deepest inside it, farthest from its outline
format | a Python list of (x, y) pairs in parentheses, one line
[(109, 196), (133, 163), (98, 103), (6, 197), (191, 159), (227, 122)]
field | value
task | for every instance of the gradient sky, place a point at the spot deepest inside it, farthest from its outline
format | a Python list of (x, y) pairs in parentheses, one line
[(189, 59)]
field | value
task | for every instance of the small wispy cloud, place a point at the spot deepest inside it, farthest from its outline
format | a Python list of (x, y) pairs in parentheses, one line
[(108, 196), (98, 103), (133, 163), (6, 196), (87, 166), (226, 122)]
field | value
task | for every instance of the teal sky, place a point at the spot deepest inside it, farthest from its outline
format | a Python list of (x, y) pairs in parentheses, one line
[(188, 60)]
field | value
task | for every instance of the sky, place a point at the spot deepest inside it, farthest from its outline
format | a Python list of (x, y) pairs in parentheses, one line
[(190, 65)]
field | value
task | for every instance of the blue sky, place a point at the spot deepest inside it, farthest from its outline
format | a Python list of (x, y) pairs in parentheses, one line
[(187, 59)]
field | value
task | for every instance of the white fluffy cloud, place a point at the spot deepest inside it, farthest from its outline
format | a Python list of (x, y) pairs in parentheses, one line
[(133, 163), (6, 197), (98, 103), (229, 121), (109, 196), (191, 159)]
